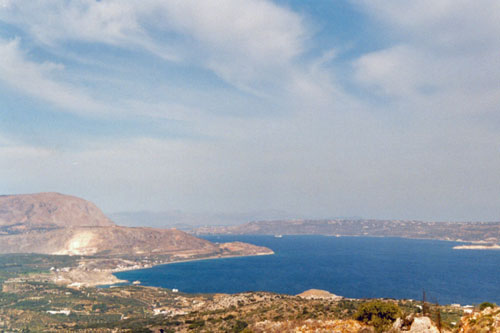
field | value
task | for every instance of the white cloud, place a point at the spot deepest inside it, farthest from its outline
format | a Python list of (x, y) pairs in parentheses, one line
[(324, 152), (253, 45), (448, 57), (389, 70), (53, 21), (35, 79), (20, 163), (453, 25), (313, 167), (245, 42)]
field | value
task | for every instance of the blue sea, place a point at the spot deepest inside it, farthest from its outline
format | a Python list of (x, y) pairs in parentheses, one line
[(355, 267)]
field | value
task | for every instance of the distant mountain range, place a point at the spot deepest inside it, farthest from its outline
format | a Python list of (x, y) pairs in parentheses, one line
[(187, 220), (456, 231)]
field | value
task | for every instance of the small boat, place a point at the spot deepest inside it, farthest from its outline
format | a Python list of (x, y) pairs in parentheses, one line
[(136, 282), (278, 236)]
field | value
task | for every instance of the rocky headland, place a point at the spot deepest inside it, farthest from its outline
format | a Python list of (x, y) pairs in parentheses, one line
[(57, 224)]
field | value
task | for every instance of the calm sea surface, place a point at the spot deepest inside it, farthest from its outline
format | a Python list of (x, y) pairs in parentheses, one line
[(358, 267)]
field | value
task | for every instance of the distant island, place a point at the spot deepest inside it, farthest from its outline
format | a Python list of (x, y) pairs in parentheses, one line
[(484, 232)]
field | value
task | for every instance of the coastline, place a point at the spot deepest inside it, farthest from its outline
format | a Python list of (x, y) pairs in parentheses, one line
[(477, 247), (125, 269), (445, 239), (210, 271), (126, 282), (110, 273)]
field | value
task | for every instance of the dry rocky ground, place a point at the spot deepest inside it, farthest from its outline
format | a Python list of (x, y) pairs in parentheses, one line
[(484, 321)]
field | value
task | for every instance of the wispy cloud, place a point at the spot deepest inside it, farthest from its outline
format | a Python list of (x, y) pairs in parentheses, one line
[(35, 79), (270, 114), (444, 53), (248, 43)]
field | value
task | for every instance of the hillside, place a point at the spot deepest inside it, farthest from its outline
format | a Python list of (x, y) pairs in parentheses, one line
[(53, 223), (103, 240), (456, 231), (49, 210)]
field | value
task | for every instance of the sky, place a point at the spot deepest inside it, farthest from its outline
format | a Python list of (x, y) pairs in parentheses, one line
[(309, 109)]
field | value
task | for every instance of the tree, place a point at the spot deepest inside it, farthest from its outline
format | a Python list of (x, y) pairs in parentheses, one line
[(485, 305), (377, 313)]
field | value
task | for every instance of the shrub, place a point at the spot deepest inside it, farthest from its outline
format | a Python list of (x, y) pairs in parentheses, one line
[(197, 324), (485, 305), (239, 326), (378, 314)]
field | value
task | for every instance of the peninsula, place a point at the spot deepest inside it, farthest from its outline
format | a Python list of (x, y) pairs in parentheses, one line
[(57, 224)]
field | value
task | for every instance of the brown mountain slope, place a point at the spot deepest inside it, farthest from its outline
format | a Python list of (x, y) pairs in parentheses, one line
[(117, 241), (53, 223), (105, 240), (50, 210)]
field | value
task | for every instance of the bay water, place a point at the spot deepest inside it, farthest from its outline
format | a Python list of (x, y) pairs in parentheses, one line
[(354, 267)]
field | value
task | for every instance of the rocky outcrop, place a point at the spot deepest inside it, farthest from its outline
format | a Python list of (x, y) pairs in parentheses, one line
[(423, 325), (244, 248), (414, 324), (319, 294), (487, 320), (313, 326)]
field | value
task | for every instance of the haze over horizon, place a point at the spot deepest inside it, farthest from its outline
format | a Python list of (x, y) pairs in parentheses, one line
[(380, 109)]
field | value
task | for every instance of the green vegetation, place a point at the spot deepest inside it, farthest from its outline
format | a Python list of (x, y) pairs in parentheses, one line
[(239, 326), (196, 324), (377, 313), (485, 305), (13, 265)]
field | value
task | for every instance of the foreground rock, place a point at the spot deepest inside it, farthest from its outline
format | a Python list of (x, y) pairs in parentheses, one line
[(487, 320), (313, 326), (423, 325)]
